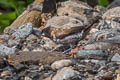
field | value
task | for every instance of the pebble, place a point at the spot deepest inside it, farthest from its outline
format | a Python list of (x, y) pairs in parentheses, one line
[(41, 68), (112, 13), (2, 63), (61, 63), (31, 37), (118, 77), (37, 50), (100, 62), (10, 30), (12, 42), (5, 73), (116, 58), (115, 3), (106, 24), (4, 38), (95, 54), (23, 31), (48, 43), (25, 49), (19, 67), (48, 78), (35, 58), (103, 75), (34, 75), (27, 78), (65, 73), (98, 46), (4, 50)]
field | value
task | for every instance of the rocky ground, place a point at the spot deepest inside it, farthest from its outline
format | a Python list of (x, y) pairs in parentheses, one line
[(77, 43)]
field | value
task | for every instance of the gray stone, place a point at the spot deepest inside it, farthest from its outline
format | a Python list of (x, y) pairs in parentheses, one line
[(32, 37), (112, 36), (116, 58), (10, 30), (107, 24), (115, 3), (23, 31), (112, 13), (98, 62), (95, 54), (12, 42), (98, 46), (4, 50), (65, 73), (61, 63)]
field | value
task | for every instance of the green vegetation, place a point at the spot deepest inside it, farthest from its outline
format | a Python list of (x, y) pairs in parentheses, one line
[(11, 9), (103, 2)]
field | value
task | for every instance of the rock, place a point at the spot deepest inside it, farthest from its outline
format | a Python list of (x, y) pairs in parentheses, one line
[(106, 35), (5, 73), (47, 43), (61, 63), (115, 3), (48, 78), (77, 9), (10, 30), (2, 63), (105, 75), (98, 46), (34, 75), (117, 71), (25, 50), (37, 50), (98, 62), (31, 37), (65, 73), (116, 58), (34, 67), (12, 42), (112, 66), (95, 54), (107, 24), (35, 58), (4, 38), (27, 78), (101, 9), (118, 77), (112, 13), (41, 68), (4, 50), (19, 67), (67, 30), (23, 31), (74, 9)]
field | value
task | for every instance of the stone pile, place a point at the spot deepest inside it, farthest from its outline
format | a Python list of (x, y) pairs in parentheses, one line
[(79, 43)]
